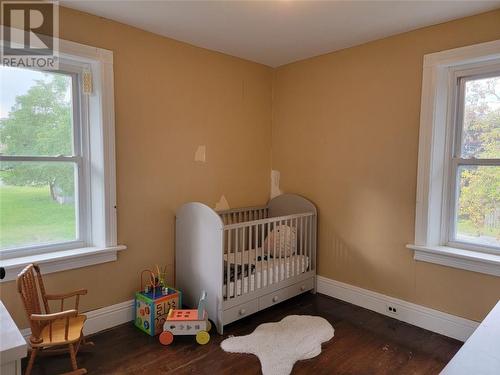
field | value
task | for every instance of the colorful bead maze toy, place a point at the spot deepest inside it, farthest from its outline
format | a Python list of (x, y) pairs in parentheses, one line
[(153, 302)]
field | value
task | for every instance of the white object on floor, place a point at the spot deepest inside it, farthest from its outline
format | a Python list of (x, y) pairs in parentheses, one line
[(13, 347), (279, 345), (479, 354)]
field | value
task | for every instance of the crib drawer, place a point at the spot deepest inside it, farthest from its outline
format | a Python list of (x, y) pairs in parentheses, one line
[(285, 293), (240, 311)]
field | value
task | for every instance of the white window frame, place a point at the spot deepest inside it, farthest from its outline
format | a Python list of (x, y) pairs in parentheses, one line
[(435, 201), (97, 242)]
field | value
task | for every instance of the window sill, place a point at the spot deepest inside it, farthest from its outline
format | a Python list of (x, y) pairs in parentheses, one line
[(61, 260), (458, 258)]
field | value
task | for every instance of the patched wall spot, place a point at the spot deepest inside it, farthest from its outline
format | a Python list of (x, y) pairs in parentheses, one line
[(275, 184), (201, 154)]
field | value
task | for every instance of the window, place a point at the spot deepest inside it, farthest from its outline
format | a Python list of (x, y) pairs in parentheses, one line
[(41, 160), (475, 160), (458, 184), (57, 167)]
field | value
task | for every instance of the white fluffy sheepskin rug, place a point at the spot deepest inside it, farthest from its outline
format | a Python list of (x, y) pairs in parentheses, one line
[(279, 345)]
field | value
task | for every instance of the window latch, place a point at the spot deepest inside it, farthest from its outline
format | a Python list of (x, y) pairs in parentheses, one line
[(87, 82)]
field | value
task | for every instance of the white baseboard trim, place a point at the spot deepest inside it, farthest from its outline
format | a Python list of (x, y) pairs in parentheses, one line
[(104, 318), (417, 315)]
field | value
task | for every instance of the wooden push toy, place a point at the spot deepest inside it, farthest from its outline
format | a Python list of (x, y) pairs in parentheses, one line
[(187, 322)]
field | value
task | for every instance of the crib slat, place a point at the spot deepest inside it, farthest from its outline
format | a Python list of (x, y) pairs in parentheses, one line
[(228, 247), (235, 267), (231, 249), (280, 249), (274, 251), (308, 265), (310, 242), (237, 275), (243, 249), (288, 256), (248, 263), (301, 251), (291, 269), (296, 245), (303, 242), (256, 247), (288, 239), (283, 250), (283, 242), (297, 234), (292, 246), (276, 269), (268, 250), (306, 244), (262, 256), (276, 236)]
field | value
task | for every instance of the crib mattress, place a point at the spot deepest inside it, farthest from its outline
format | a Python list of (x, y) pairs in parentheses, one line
[(272, 270)]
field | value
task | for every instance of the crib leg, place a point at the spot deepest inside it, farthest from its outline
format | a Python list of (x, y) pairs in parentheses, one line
[(220, 328), (315, 282)]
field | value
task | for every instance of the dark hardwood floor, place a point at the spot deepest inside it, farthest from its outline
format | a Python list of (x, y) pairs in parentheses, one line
[(365, 343)]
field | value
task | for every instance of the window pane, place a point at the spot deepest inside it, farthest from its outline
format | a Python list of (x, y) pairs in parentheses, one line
[(35, 113), (478, 209), (37, 203), (481, 125)]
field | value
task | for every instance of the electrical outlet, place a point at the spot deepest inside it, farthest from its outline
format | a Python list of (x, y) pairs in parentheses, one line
[(391, 309)]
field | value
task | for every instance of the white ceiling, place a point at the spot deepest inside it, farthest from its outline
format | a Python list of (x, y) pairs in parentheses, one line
[(279, 32)]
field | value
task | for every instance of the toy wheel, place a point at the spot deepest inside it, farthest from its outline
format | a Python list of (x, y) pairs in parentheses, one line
[(202, 337), (209, 325), (166, 337)]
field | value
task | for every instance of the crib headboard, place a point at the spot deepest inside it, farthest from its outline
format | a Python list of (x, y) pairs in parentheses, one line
[(289, 204), (198, 259)]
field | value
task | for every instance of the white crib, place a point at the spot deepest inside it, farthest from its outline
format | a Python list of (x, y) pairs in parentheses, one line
[(247, 259)]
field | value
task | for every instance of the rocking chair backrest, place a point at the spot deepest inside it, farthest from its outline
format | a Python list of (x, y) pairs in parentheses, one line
[(30, 287)]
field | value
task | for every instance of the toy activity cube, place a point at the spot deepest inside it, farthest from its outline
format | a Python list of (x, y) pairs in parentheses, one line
[(152, 308)]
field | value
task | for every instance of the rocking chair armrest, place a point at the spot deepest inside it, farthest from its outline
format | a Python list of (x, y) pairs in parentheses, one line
[(58, 315), (79, 292)]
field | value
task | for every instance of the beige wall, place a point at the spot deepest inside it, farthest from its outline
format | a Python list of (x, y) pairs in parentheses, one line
[(345, 134), (170, 97)]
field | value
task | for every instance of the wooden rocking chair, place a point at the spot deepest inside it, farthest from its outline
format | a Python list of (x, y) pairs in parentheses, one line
[(50, 331)]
